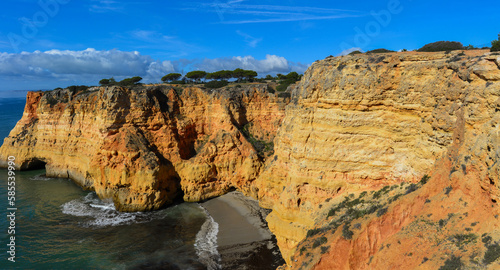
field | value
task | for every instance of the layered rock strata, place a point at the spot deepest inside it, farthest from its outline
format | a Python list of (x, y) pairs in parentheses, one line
[(145, 146), (358, 123), (354, 125)]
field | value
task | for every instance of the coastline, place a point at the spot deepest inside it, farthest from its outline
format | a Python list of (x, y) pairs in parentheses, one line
[(244, 240)]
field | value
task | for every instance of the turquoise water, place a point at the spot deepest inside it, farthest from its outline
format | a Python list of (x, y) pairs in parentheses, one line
[(60, 226)]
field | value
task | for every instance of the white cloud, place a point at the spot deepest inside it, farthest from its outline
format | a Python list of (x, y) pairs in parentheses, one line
[(350, 50), (59, 68), (66, 64), (271, 64), (251, 13), (102, 6), (251, 41)]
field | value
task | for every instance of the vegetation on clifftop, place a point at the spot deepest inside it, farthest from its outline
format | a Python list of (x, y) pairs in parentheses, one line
[(125, 82), (495, 44), (440, 46)]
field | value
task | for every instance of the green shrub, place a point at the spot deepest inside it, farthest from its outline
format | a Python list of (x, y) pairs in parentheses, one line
[(178, 82), (492, 253), (382, 191), (379, 51), (464, 239), (394, 198), (442, 222), (424, 179), (313, 232), (216, 84), (495, 45), (324, 250), (381, 212), (320, 241), (440, 46), (284, 95), (77, 88), (411, 188), (355, 52), (452, 263), (486, 239), (346, 232), (284, 85), (51, 101)]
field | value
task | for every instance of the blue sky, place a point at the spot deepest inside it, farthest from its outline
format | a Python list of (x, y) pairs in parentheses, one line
[(55, 43)]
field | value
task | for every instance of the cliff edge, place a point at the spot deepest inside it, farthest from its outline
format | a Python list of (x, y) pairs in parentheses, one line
[(380, 161), (388, 161), (146, 146)]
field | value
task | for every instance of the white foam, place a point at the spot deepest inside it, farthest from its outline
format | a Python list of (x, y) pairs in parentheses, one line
[(101, 213), (206, 243), (41, 177)]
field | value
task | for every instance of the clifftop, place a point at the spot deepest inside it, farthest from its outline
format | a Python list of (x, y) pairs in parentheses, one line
[(359, 130), (143, 147)]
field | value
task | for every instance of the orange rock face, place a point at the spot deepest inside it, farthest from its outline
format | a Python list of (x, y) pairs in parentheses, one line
[(347, 182), (144, 147), (359, 123)]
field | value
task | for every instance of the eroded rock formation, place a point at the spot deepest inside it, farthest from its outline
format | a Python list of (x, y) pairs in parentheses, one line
[(347, 183), (359, 123), (145, 146)]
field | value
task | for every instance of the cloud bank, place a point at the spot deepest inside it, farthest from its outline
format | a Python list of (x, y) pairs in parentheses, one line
[(54, 68)]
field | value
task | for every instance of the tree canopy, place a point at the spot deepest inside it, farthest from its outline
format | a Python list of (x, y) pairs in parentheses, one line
[(287, 80), (250, 74), (495, 45), (196, 75), (171, 77), (239, 74), (106, 82), (293, 76), (130, 81), (124, 82), (224, 75)]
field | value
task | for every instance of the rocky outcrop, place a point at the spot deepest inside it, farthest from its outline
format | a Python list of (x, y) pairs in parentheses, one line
[(348, 179), (359, 123), (145, 146)]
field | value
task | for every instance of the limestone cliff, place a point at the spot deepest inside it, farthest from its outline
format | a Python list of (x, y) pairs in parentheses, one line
[(381, 161), (145, 146), (358, 123)]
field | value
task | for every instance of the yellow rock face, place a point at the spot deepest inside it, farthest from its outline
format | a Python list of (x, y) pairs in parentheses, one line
[(362, 122), (143, 147), (353, 124)]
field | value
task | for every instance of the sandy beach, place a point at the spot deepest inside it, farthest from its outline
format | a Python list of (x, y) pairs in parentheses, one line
[(244, 240)]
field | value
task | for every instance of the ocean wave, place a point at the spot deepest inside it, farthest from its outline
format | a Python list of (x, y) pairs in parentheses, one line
[(206, 243), (102, 213), (41, 177)]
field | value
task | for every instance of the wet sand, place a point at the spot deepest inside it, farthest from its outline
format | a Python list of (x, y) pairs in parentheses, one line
[(244, 240)]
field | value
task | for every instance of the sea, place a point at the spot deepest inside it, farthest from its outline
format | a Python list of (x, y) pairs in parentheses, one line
[(57, 225)]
